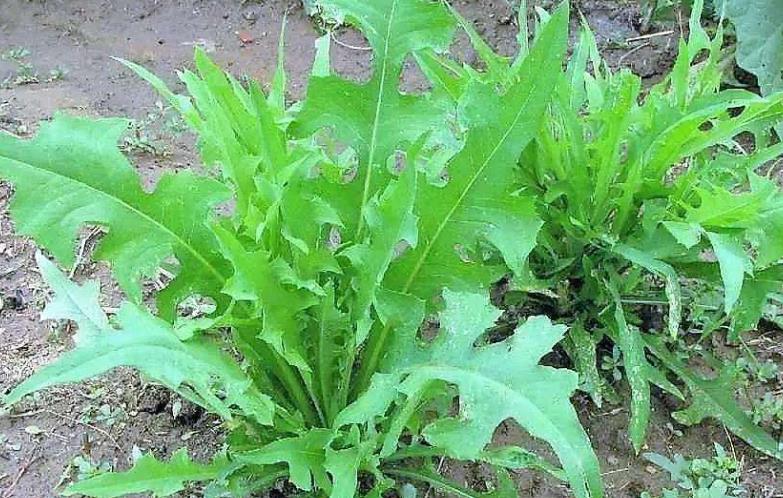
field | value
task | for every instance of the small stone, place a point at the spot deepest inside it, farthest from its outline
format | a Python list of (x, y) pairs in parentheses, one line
[(33, 430), (245, 37)]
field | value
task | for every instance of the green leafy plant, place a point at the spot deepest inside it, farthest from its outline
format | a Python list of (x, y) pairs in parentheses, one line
[(352, 333), (759, 28), (717, 477), (642, 213), (339, 243), (649, 202)]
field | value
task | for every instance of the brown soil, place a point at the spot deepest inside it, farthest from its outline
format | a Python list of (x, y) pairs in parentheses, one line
[(40, 439)]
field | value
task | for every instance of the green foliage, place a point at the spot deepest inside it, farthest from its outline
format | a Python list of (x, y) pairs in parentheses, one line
[(339, 243), (149, 475), (759, 27), (352, 332), (717, 477), (653, 203)]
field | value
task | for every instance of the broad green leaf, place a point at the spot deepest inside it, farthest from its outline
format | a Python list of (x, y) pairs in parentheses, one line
[(195, 369), (150, 475), (343, 466), (756, 291), (759, 28), (734, 263), (636, 368), (479, 202), (390, 221), (270, 285), (304, 455), (687, 234), (714, 398), (375, 118), (720, 208), (80, 303), (537, 397), (72, 174)]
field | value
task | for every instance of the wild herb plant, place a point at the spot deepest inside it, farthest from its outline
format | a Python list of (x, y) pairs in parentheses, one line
[(350, 273), (338, 244), (649, 199), (717, 477)]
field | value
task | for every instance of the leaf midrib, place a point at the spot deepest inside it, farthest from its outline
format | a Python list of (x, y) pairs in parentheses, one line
[(421, 369), (148, 483), (134, 210), (447, 219), (376, 118)]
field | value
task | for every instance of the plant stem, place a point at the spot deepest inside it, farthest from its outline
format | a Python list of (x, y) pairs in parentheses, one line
[(370, 360), (433, 480), (414, 451)]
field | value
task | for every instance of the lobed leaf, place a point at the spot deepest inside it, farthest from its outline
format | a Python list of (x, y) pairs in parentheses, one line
[(76, 165), (196, 369), (537, 397), (714, 398), (375, 118), (479, 202), (150, 475)]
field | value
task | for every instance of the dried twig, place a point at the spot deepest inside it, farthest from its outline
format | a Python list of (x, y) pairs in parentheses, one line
[(346, 45), (631, 52), (86, 424), (10, 490), (648, 36)]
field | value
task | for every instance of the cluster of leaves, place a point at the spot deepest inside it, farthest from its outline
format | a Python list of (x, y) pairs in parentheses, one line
[(758, 27), (352, 332), (339, 242), (759, 30), (654, 203), (717, 477)]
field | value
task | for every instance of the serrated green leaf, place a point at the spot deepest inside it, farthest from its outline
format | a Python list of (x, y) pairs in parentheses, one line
[(79, 303), (390, 221), (479, 202), (734, 263), (375, 118), (270, 284), (150, 475), (536, 397), (74, 164), (194, 369), (687, 234), (304, 455), (237, 129), (343, 466), (714, 398)]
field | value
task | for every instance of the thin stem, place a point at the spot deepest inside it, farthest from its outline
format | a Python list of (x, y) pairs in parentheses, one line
[(414, 451), (433, 480), (375, 344)]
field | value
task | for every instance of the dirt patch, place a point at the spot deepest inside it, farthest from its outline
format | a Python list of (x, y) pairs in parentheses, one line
[(105, 420)]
